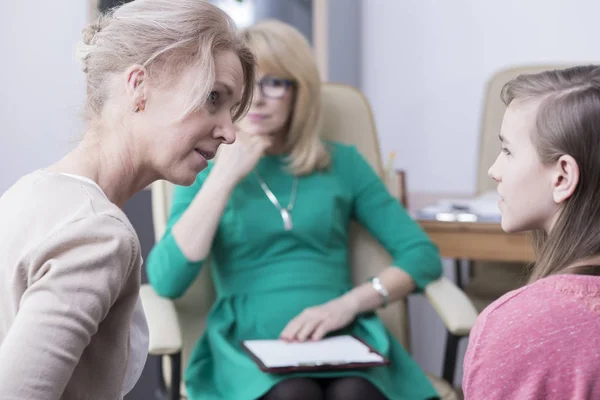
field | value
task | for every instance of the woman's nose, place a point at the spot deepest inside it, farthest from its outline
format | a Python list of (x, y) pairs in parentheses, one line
[(226, 132)]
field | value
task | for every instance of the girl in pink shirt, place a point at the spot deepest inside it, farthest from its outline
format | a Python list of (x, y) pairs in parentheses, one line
[(542, 341)]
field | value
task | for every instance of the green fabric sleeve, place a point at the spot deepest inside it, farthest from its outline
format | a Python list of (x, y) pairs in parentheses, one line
[(169, 272), (385, 218)]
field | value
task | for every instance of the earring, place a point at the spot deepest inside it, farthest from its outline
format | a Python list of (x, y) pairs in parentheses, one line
[(140, 107)]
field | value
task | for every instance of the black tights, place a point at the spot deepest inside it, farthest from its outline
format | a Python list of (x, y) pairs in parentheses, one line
[(351, 388)]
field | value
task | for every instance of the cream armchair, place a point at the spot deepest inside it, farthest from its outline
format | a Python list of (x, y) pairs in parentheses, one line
[(176, 325)]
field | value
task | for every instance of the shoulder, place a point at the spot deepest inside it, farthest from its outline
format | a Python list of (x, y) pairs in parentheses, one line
[(532, 314), (518, 310), (59, 195), (339, 149), (552, 296), (59, 206), (496, 339), (545, 324), (101, 247), (343, 155)]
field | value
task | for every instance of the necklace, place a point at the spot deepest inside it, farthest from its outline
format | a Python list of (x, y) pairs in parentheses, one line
[(286, 215)]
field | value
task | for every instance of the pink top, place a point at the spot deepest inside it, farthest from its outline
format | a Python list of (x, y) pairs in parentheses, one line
[(541, 341)]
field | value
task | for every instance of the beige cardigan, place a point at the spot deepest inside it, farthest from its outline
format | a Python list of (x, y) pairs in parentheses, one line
[(69, 279)]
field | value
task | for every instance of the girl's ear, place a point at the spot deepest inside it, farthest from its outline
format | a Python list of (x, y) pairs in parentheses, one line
[(566, 178)]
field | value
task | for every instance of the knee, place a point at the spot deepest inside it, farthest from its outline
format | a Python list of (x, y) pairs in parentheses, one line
[(352, 388)]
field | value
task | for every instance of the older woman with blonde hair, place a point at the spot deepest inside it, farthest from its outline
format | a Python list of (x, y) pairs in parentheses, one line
[(165, 80), (272, 213)]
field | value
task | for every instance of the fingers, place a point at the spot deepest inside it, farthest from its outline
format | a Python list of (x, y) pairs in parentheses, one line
[(262, 141), (307, 329), (311, 329), (320, 331), (308, 325), (254, 142), (289, 332), (316, 322)]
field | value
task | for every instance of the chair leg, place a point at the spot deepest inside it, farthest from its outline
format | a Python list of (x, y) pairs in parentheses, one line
[(174, 393), (470, 269), (458, 272), (452, 342), (161, 391), (175, 376)]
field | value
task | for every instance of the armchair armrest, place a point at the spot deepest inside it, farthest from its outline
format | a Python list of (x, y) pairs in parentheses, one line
[(452, 305), (163, 325)]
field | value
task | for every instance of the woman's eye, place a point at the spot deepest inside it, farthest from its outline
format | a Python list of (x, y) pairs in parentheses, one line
[(213, 97), (505, 151), (272, 82)]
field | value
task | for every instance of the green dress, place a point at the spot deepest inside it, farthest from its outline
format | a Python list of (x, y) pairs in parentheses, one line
[(265, 276)]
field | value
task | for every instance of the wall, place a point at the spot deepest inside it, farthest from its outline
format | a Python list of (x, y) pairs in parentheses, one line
[(425, 64), (42, 85), (344, 42), (295, 12), (424, 67)]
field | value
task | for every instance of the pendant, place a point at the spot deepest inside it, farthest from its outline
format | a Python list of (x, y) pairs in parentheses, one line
[(287, 219)]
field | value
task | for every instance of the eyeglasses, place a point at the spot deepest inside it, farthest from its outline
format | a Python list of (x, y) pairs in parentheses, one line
[(273, 87)]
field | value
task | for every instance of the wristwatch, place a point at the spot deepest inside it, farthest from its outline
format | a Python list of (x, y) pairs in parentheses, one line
[(379, 288)]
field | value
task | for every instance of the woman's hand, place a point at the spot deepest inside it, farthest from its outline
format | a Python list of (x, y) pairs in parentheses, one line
[(236, 160), (315, 322)]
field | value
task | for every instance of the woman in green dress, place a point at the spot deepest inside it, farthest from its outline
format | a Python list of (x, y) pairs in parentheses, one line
[(273, 213)]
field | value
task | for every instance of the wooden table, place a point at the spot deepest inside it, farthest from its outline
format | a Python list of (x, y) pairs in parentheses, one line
[(471, 240), (478, 241)]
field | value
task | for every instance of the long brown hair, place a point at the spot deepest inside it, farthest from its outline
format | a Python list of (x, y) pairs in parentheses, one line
[(567, 122)]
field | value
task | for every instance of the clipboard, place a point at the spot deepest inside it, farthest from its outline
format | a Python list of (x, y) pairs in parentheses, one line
[(279, 357)]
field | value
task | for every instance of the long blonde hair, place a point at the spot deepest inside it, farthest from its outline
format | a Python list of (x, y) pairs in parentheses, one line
[(567, 122), (166, 37), (281, 49)]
